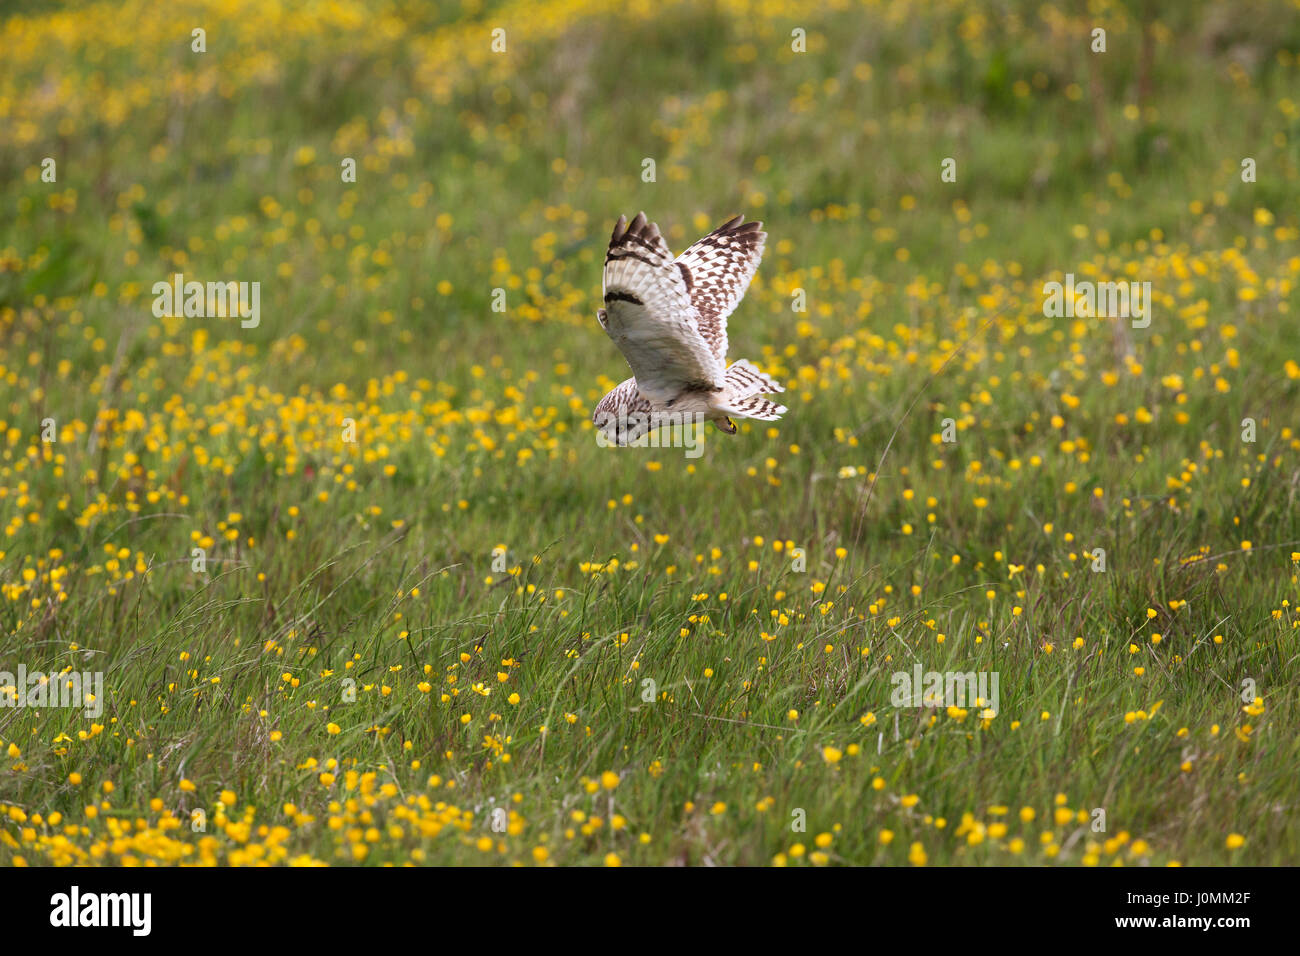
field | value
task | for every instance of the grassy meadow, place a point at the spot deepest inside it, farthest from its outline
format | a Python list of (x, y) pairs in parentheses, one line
[(360, 582)]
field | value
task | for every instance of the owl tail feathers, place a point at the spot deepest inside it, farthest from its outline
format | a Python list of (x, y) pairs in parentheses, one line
[(743, 380), (756, 407), (745, 387)]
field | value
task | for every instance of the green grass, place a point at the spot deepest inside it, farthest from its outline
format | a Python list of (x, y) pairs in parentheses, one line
[(479, 171)]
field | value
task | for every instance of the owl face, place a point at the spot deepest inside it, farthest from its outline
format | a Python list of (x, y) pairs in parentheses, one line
[(626, 417), (619, 418)]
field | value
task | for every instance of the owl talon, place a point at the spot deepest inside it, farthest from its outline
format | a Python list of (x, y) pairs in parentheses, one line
[(726, 425)]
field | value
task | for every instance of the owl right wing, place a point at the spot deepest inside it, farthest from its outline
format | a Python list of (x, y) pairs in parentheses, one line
[(717, 270), (651, 318)]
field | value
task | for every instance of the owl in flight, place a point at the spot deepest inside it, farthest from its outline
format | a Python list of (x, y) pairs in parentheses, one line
[(669, 319)]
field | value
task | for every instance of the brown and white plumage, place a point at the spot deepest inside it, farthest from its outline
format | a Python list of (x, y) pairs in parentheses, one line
[(669, 319)]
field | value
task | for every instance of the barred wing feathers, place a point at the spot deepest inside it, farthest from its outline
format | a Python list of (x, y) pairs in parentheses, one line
[(717, 270), (652, 318)]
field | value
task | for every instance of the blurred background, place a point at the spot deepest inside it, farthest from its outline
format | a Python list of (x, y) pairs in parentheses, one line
[(494, 145), (478, 169)]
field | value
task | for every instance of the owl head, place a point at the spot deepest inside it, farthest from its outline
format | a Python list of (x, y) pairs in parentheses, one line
[(623, 416)]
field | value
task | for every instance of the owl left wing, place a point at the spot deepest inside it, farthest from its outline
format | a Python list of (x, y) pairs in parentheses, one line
[(717, 270), (650, 316)]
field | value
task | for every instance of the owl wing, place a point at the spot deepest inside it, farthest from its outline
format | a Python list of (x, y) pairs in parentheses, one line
[(717, 270), (650, 315)]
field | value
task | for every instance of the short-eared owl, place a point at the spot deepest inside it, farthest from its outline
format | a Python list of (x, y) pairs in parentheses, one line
[(669, 319)]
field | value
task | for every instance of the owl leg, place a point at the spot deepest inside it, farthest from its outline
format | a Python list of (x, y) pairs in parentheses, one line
[(729, 427)]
